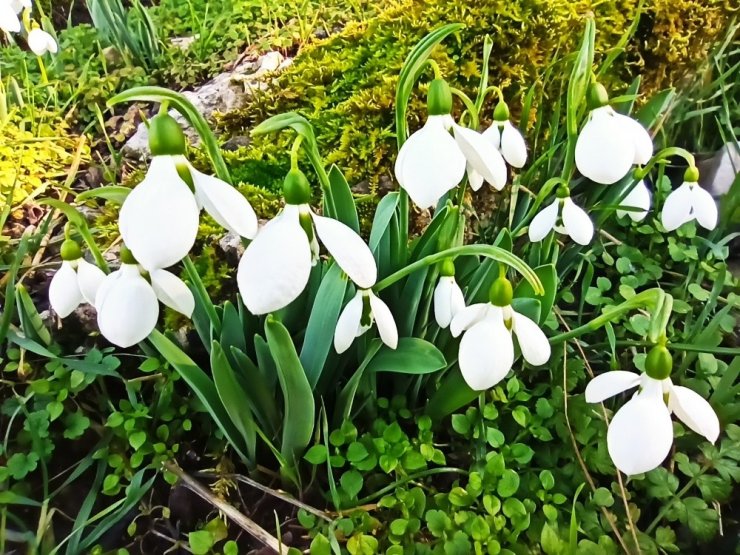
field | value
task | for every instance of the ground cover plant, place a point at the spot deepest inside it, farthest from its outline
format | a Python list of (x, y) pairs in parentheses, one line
[(525, 342)]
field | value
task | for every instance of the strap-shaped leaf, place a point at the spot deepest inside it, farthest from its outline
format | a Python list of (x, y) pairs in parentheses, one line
[(344, 202), (234, 399), (412, 356), (322, 323), (549, 277), (300, 412)]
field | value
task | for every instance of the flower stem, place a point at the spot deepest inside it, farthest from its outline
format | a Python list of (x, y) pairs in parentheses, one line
[(664, 156), (496, 253), (409, 478), (647, 298), (469, 105)]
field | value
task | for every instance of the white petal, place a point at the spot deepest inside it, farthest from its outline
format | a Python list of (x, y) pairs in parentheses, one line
[(694, 411), (486, 354), (513, 146), (677, 208), (89, 278), (468, 317), (474, 178), (40, 42), (704, 207), (610, 384), (9, 21), (384, 320), (533, 342), (159, 218), (638, 197), (577, 224), (430, 163), (173, 292), (640, 435), (348, 324), (544, 221), (482, 156), (225, 204), (128, 310), (641, 140), (64, 291), (605, 149), (493, 134), (348, 249), (275, 267), (448, 300)]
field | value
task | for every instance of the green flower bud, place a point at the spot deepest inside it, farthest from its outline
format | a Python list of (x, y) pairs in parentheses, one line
[(447, 267), (166, 136), (127, 257), (501, 112), (70, 250), (296, 188), (563, 191), (659, 363), (691, 174), (501, 292), (596, 96), (439, 98)]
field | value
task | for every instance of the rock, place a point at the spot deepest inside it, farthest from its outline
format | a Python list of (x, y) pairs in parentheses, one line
[(183, 43), (718, 172), (232, 247), (227, 91), (235, 143)]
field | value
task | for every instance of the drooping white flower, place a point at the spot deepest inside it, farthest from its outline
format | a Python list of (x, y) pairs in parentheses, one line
[(689, 202), (75, 282), (128, 304), (275, 267), (575, 222), (40, 42), (430, 163), (507, 138), (483, 160), (639, 198), (640, 434), (159, 218), (610, 143), (9, 20), (448, 300), (358, 317), (487, 347)]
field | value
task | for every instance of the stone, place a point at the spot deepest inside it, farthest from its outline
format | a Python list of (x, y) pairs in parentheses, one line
[(717, 173), (227, 91)]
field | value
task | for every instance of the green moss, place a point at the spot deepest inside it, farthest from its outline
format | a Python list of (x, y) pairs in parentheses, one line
[(34, 157), (345, 85)]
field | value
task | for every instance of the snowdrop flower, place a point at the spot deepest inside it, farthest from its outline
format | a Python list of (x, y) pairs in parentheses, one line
[(507, 138), (128, 304), (610, 143), (639, 198), (430, 163), (640, 434), (483, 160), (358, 317), (487, 346), (75, 282), (9, 10), (575, 222), (689, 202), (40, 42), (275, 267), (448, 297), (159, 218)]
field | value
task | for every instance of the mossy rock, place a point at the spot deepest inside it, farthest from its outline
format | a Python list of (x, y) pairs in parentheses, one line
[(345, 84)]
